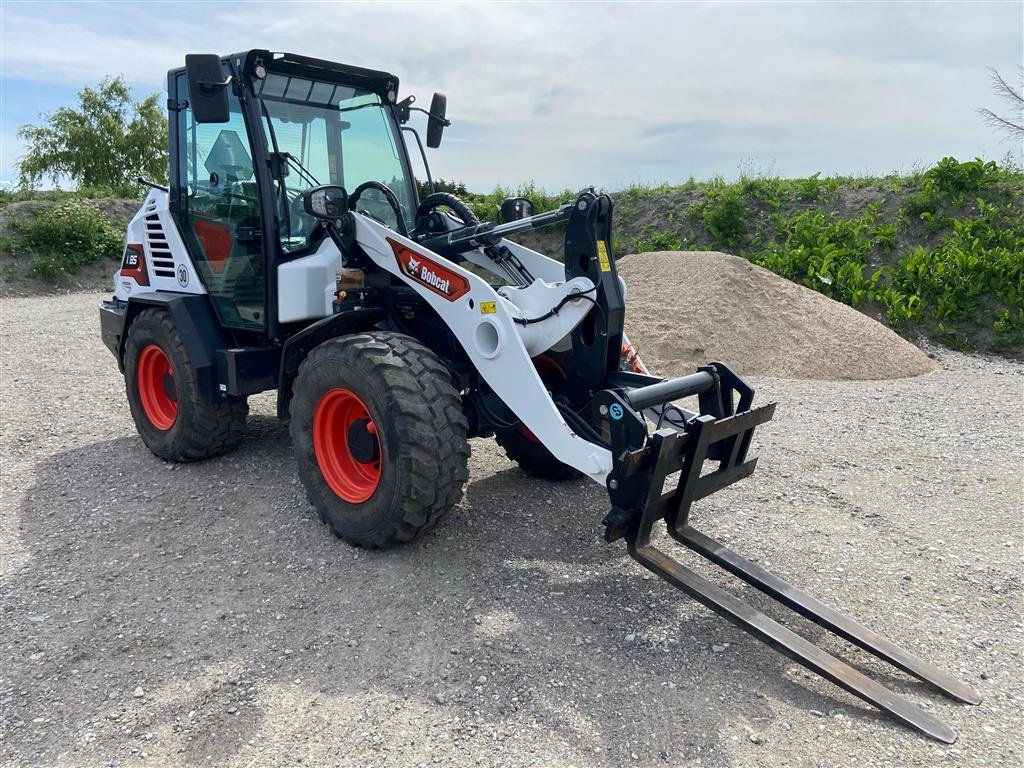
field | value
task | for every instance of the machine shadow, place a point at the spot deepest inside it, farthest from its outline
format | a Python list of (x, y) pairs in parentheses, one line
[(214, 588)]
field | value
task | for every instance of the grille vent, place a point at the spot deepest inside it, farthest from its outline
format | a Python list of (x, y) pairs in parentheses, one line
[(160, 256)]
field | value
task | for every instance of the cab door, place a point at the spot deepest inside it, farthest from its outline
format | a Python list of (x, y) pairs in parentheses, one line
[(218, 209)]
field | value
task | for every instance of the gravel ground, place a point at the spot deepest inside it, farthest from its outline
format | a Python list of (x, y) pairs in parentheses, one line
[(155, 614)]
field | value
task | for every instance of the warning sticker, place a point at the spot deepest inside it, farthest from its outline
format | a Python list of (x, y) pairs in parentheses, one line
[(488, 307), (602, 257)]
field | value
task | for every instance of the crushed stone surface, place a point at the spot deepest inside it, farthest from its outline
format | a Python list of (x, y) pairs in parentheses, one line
[(188, 615), (688, 308)]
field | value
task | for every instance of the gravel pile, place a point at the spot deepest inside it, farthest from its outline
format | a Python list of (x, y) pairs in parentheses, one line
[(687, 308)]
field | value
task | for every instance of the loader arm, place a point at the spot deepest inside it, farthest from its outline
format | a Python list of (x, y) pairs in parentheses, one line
[(482, 322)]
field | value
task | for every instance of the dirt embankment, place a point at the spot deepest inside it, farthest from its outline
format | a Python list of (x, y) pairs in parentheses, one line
[(687, 308), (16, 276)]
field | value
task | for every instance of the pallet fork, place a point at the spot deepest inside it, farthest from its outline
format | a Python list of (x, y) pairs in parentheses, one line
[(721, 432)]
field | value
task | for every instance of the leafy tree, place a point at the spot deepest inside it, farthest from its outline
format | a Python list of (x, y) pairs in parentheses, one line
[(105, 142)]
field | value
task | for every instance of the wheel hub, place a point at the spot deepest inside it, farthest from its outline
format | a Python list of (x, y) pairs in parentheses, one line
[(362, 441)]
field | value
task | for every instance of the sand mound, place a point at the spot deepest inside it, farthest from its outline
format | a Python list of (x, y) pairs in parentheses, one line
[(686, 308)]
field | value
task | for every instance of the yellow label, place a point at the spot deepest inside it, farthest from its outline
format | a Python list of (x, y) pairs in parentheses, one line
[(602, 257), (488, 307)]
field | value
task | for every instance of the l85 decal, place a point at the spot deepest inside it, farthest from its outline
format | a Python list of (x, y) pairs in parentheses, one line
[(429, 273), (133, 264)]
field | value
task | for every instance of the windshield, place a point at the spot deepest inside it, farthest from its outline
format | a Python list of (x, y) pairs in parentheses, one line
[(323, 133)]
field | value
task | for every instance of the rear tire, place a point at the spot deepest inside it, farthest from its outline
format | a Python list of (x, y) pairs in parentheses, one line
[(379, 437), (174, 421), (532, 457), (520, 444)]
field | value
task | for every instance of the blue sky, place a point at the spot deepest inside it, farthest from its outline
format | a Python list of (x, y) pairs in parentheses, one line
[(574, 94)]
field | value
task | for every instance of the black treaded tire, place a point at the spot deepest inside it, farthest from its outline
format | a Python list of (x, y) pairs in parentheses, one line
[(521, 446), (532, 457), (420, 427), (200, 429)]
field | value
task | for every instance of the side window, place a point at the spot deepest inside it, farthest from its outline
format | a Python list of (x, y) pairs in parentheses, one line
[(221, 218)]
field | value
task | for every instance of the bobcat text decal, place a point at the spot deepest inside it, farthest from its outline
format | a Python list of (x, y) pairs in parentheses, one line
[(429, 273)]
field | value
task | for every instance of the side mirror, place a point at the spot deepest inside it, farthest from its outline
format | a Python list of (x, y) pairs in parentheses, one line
[(325, 202), (207, 88), (514, 209), (436, 123)]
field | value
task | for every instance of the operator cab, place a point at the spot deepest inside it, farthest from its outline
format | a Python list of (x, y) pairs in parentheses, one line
[(249, 134)]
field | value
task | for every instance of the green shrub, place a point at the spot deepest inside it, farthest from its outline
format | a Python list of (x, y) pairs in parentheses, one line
[(70, 234), (828, 255), (657, 241), (956, 180), (771, 191), (975, 275), (1008, 329), (725, 215), (809, 189), (924, 201)]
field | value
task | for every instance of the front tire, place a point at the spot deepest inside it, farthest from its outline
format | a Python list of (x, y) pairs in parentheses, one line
[(379, 437), (174, 421)]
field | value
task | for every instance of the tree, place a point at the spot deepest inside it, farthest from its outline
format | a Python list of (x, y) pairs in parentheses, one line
[(106, 142), (1014, 97)]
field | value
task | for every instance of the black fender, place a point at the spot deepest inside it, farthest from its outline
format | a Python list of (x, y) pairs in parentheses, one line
[(196, 321), (302, 343)]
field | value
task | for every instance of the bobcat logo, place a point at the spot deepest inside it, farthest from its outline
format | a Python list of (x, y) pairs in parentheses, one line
[(428, 273)]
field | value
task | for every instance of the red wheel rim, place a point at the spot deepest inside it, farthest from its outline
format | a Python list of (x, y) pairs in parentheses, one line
[(337, 414), (157, 390)]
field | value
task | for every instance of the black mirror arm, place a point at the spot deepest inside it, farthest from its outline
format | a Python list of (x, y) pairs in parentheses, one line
[(209, 87), (443, 120)]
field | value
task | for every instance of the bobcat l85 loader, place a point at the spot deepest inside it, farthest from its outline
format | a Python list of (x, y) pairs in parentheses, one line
[(290, 252)]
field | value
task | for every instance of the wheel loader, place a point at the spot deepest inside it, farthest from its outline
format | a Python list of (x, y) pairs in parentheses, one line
[(291, 252)]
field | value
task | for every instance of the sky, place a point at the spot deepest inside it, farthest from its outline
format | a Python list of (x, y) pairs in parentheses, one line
[(575, 94)]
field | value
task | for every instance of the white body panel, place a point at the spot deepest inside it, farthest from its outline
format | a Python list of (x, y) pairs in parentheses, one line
[(305, 286), (168, 265)]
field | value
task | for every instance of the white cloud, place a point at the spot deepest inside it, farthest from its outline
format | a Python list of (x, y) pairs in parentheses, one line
[(569, 94)]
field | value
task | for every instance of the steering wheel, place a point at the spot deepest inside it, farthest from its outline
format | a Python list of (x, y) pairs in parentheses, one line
[(434, 201), (388, 195)]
